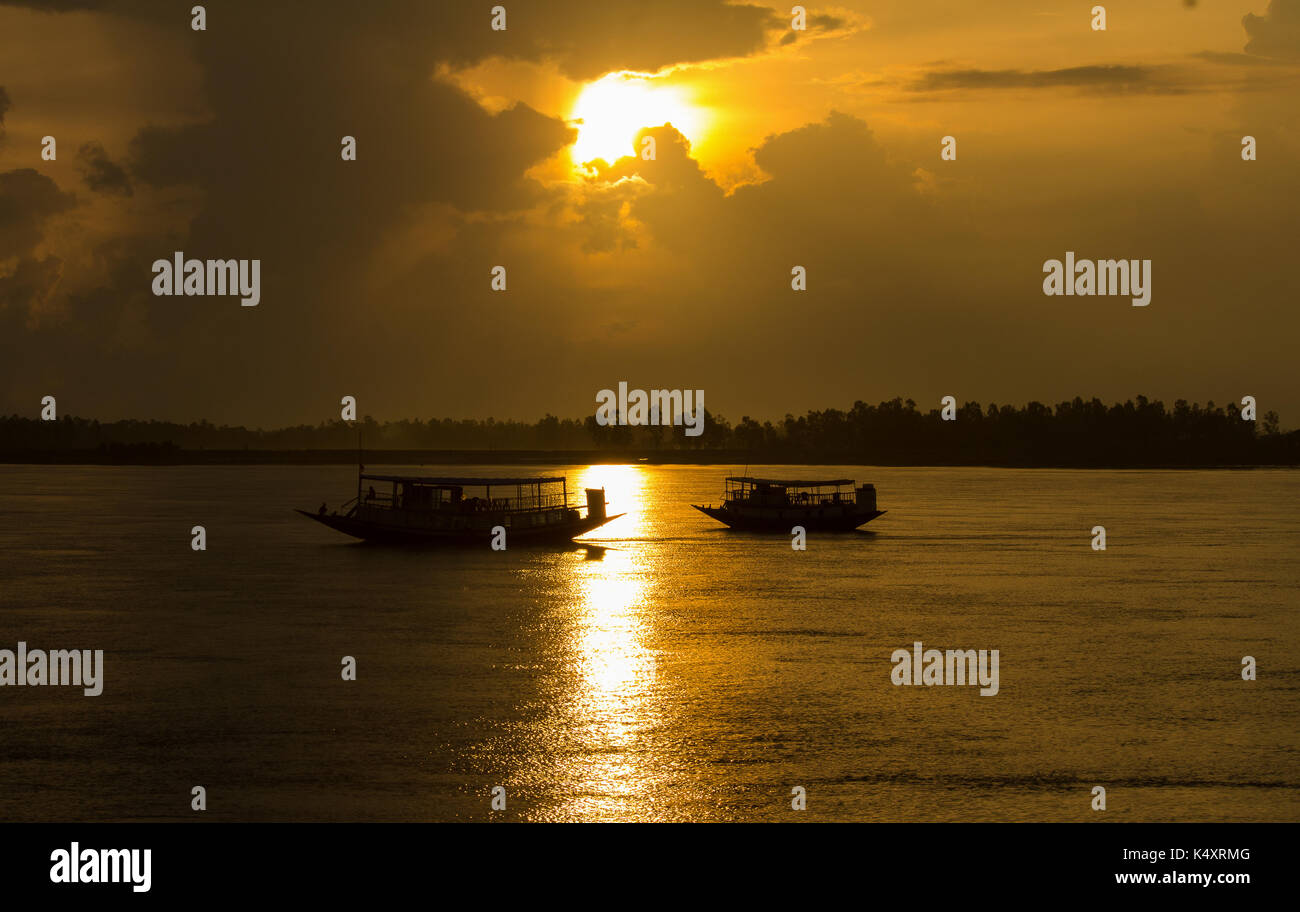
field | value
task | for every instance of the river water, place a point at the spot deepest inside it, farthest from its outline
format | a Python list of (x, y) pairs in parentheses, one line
[(680, 671)]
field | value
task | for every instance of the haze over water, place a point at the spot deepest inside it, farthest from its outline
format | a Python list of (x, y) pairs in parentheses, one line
[(681, 672)]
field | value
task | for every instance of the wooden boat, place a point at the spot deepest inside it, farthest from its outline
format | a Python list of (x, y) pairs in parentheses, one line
[(418, 509), (769, 505)]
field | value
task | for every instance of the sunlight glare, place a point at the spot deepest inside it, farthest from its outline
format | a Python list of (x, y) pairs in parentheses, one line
[(614, 109)]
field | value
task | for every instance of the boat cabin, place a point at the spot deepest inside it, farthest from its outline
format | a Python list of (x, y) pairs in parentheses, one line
[(423, 494), (421, 508), (744, 490)]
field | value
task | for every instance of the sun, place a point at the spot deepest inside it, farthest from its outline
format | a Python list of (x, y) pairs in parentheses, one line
[(611, 111)]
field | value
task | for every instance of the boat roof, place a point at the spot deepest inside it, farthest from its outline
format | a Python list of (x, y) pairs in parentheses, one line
[(463, 482), (790, 484)]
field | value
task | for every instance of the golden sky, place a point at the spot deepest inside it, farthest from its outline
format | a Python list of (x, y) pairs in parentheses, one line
[(774, 148)]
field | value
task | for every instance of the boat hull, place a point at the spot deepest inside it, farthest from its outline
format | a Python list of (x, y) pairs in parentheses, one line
[(783, 519), (371, 531)]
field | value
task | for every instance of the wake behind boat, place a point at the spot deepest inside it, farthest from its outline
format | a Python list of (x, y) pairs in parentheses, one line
[(418, 509), (767, 505)]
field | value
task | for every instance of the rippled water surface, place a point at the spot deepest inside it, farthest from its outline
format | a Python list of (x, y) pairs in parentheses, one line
[(679, 672)]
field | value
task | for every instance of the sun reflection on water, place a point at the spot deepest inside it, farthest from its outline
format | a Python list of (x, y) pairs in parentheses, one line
[(611, 707), (624, 493)]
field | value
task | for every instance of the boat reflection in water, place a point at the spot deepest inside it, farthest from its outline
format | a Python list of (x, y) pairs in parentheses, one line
[(420, 509)]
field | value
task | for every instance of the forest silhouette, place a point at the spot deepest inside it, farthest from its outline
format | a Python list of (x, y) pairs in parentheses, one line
[(1079, 432)]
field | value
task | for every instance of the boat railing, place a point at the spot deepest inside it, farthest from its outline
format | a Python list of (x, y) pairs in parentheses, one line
[(794, 498), (378, 499), (526, 504), (533, 502)]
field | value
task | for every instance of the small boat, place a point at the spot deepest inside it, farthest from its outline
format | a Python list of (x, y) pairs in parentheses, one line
[(417, 509), (768, 505)]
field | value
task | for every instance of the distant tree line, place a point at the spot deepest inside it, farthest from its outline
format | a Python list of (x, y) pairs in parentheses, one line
[(1078, 432)]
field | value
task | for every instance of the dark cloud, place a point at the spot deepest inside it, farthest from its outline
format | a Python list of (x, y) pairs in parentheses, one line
[(819, 22), (602, 215), (168, 156), (912, 286), (833, 202), (1230, 59), (585, 38), (589, 38), (27, 199), (263, 179), (1124, 79), (827, 23), (102, 174), (841, 145), (58, 6), (1277, 32), (677, 200), (28, 286), (375, 272), (4, 107)]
